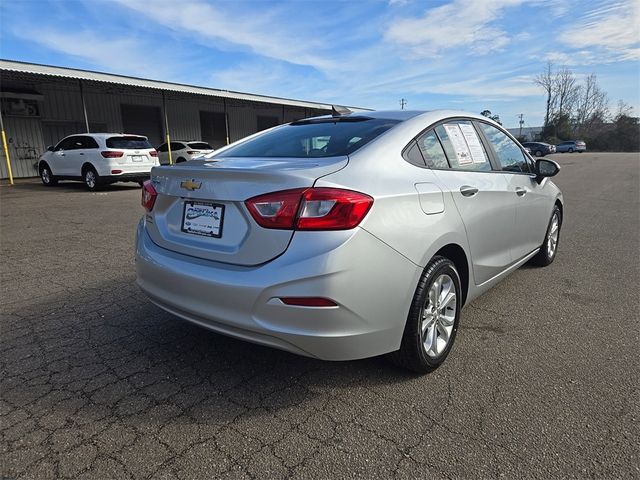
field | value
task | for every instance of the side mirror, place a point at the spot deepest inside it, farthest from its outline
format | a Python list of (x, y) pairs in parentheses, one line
[(50, 148), (546, 168)]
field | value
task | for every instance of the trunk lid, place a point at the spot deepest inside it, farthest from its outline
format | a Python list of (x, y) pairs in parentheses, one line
[(218, 188)]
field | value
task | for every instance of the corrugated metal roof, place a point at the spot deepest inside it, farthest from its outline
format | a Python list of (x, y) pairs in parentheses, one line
[(64, 72)]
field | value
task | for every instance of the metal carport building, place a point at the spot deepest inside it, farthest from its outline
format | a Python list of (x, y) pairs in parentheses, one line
[(42, 104)]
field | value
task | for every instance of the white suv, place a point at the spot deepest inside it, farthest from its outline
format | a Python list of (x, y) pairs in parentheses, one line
[(98, 159), (181, 151)]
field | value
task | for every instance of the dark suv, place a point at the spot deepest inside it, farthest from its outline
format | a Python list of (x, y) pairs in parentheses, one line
[(540, 149)]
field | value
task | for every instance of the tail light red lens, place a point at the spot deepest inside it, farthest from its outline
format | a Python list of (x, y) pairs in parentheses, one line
[(153, 153), (310, 209), (191, 152), (149, 195), (111, 154), (308, 301)]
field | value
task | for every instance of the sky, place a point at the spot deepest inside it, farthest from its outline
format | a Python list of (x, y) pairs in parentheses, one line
[(463, 54)]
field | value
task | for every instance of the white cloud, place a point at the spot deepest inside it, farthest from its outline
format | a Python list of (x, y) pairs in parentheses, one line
[(118, 54), (612, 28), (258, 32), (459, 24)]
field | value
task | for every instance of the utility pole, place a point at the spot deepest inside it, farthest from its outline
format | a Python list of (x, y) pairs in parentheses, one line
[(521, 124), (403, 102)]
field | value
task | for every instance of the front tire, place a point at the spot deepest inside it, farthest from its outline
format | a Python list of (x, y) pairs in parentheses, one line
[(433, 319), (46, 176), (570, 150), (91, 178), (549, 248), (538, 153)]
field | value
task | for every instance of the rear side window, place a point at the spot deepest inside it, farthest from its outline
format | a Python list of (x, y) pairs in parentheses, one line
[(163, 148), (128, 142), (325, 137), (413, 155), (200, 146), (463, 147), (432, 150), (508, 153)]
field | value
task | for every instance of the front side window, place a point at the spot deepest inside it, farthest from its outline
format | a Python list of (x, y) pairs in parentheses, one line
[(324, 137), (432, 151), (68, 143), (508, 153), (463, 147), (175, 146)]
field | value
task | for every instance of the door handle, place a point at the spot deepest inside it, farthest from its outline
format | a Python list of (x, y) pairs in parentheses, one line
[(81, 153), (468, 191), (520, 191)]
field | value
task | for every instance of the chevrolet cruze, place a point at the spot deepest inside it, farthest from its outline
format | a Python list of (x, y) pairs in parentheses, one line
[(347, 236)]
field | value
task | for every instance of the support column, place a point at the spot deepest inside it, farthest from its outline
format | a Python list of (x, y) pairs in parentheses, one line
[(84, 107), (6, 150), (166, 127)]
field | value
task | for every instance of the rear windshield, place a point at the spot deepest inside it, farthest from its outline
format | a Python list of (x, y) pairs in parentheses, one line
[(128, 142), (200, 146), (313, 138)]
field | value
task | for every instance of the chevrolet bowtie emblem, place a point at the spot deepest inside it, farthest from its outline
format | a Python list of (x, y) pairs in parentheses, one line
[(191, 184)]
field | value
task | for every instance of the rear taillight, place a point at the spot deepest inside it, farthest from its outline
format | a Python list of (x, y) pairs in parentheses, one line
[(153, 153), (111, 154), (149, 195), (310, 209), (191, 152)]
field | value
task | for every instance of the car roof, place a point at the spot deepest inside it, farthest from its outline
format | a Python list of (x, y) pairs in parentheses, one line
[(105, 135)]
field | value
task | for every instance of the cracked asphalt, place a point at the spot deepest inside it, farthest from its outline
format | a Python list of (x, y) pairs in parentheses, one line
[(96, 382)]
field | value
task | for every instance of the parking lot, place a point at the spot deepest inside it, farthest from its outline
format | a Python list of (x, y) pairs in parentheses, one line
[(96, 382)]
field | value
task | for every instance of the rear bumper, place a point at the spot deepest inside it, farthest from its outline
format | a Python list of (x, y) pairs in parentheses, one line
[(125, 177), (372, 284)]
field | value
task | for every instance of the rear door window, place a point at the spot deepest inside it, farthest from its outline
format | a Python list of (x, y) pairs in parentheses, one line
[(176, 146), (88, 142), (163, 148), (463, 146), (128, 142), (200, 146), (432, 150), (323, 137), (508, 153)]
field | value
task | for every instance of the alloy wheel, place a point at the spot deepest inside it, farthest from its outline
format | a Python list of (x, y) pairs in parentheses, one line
[(90, 178), (552, 237), (438, 316), (45, 175)]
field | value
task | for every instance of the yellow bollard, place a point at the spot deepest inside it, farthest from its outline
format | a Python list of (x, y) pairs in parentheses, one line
[(169, 147), (6, 156)]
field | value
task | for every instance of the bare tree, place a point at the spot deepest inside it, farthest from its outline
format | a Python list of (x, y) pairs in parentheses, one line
[(567, 89), (546, 81), (591, 105)]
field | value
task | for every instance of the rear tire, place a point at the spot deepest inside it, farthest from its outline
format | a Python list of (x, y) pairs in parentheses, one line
[(433, 318), (570, 150), (48, 179), (91, 178), (180, 160), (549, 248)]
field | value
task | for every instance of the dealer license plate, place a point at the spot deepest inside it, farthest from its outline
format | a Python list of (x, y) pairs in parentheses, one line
[(137, 158), (202, 218)]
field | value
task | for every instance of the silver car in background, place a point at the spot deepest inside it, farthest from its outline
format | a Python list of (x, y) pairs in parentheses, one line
[(347, 236)]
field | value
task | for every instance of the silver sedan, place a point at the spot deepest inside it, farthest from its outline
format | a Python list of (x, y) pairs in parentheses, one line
[(347, 236)]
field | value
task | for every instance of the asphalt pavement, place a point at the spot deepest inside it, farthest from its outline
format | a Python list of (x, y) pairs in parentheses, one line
[(96, 382)]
